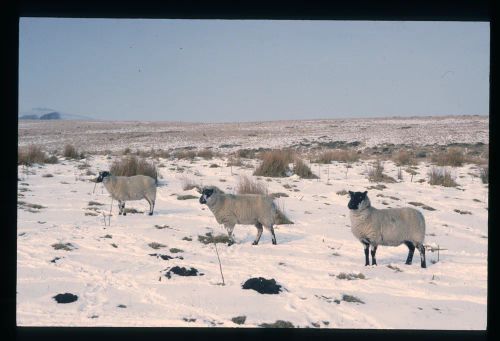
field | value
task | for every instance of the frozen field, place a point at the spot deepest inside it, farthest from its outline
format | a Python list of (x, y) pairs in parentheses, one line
[(100, 136), (120, 283)]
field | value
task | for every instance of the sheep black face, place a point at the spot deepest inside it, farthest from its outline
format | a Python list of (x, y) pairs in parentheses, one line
[(356, 199), (205, 194), (102, 175)]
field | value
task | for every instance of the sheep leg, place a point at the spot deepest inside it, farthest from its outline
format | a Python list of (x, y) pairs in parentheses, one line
[(411, 250), (120, 207), (230, 229), (123, 208), (367, 248), (271, 229), (421, 249), (151, 205), (259, 233), (374, 250)]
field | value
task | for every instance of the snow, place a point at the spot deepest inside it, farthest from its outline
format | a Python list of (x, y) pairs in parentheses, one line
[(450, 294)]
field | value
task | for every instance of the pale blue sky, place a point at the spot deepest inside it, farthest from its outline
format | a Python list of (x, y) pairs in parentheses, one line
[(235, 70)]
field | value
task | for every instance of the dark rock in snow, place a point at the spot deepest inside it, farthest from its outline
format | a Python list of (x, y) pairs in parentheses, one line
[(182, 271), (262, 285), (65, 298)]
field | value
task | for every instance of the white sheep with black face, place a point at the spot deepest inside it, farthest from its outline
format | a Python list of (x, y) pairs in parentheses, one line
[(389, 227), (127, 188), (245, 209)]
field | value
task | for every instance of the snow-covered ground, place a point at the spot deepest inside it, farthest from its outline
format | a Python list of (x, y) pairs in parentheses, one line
[(100, 136), (119, 283)]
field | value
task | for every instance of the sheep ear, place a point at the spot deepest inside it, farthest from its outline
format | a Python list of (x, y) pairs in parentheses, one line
[(198, 189), (365, 193), (351, 193)]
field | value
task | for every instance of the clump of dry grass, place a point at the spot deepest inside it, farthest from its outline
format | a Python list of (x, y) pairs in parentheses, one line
[(275, 163), (131, 165), (234, 162), (246, 153), (403, 157), (441, 177), (70, 152), (452, 157), (206, 154), (185, 154), (340, 155), (303, 170), (30, 155), (249, 186), (376, 173), (189, 184)]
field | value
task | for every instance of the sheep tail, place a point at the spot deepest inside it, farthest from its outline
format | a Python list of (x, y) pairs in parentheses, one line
[(279, 217)]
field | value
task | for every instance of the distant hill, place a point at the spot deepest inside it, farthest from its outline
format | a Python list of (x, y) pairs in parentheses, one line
[(51, 116), (28, 117)]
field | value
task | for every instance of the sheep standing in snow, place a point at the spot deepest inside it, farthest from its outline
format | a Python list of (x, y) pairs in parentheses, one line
[(245, 209), (390, 227), (126, 188)]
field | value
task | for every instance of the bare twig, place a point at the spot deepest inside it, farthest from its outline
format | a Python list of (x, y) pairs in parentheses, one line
[(220, 266)]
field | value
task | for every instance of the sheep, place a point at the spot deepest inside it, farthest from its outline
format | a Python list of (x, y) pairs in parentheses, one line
[(245, 209), (126, 188), (389, 227)]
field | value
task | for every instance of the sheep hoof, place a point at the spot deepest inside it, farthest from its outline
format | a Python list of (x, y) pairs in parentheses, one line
[(274, 242), (408, 263), (150, 213), (230, 243), (124, 213), (254, 243)]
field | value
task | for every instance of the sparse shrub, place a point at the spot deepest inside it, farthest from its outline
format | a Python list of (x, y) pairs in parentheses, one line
[(52, 159), (483, 174), (303, 170), (275, 164), (185, 154), (403, 157), (214, 165), (189, 184), (340, 155), (376, 173), (208, 238), (30, 155), (126, 151), (246, 153), (249, 186), (441, 177), (351, 276), (452, 157), (131, 165), (342, 192), (207, 154), (70, 152), (48, 175), (234, 162), (155, 245)]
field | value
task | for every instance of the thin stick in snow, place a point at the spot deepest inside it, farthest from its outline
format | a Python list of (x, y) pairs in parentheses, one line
[(220, 266)]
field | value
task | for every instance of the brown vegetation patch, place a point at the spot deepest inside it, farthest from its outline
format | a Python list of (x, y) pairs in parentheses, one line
[(275, 163), (249, 186), (441, 177), (132, 165)]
